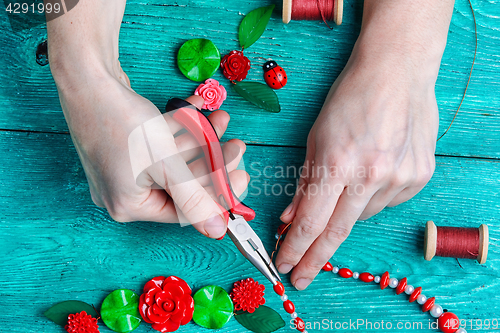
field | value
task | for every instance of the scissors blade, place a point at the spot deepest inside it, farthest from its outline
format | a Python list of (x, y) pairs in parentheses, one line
[(250, 245)]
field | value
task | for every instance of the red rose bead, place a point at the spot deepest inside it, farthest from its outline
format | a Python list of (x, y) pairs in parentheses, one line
[(288, 306), (345, 273), (415, 294), (235, 66), (384, 280), (401, 286), (299, 323), (429, 304), (279, 288), (448, 322), (283, 229), (366, 277), (328, 267)]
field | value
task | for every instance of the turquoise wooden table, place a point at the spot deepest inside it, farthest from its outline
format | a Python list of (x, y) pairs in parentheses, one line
[(56, 245)]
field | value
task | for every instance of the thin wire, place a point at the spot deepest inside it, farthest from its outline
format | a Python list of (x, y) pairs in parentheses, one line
[(278, 241), (470, 73)]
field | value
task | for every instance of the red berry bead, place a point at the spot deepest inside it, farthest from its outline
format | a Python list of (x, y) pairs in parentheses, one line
[(279, 288), (366, 277), (288, 306), (384, 280), (328, 267), (429, 304), (299, 323), (345, 273), (283, 229), (401, 286), (415, 294), (448, 322)]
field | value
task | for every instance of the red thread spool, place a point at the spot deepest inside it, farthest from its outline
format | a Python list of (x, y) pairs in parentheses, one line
[(467, 243), (313, 10)]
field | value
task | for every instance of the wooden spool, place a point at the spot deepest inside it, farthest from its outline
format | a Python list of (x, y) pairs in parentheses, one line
[(430, 242), (338, 10)]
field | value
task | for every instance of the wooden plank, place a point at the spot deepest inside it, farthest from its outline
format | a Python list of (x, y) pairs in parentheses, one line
[(57, 245), (312, 55)]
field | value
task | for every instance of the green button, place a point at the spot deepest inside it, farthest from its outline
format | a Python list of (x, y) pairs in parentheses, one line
[(213, 307), (120, 311), (198, 59)]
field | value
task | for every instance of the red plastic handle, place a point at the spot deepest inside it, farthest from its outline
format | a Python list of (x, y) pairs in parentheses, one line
[(200, 127)]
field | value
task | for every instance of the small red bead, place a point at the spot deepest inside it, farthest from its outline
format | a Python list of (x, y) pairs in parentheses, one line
[(299, 323), (384, 280), (448, 322), (328, 267), (366, 277), (345, 273), (283, 229), (279, 289), (288, 306), (429, 304), (401, 286), (415, 294)]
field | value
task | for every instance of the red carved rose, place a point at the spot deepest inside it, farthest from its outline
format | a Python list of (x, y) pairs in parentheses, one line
[(166, 303), (235, 66)]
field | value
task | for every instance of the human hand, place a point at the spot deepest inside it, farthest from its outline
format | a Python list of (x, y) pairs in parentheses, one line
[(102, 113), (372, 146)]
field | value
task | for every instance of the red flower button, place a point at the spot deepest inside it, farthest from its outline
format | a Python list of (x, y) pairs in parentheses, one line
[(235, 66), (81, 323), (247, 295), (166, 303)]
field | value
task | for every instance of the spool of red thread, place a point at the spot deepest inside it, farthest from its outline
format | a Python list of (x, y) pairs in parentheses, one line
[(325, 10), (467, 243)]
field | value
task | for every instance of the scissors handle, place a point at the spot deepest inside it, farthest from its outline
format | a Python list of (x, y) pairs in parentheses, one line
[(200, 127)]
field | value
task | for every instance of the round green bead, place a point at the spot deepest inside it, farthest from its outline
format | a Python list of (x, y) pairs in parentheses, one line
[(198, 59), (213, 307), (120, 311)]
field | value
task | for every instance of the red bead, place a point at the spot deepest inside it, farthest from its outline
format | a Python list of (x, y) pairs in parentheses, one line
[(401, 286), (283, 229), (279, 289), (384, 280), (288, 306), (345, 273), (448, 322), (429, 304), (415, 294), (366, 277), (299, 323), (328, 267)]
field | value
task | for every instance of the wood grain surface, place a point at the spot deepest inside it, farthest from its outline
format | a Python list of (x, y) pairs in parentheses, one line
[(56, 245)]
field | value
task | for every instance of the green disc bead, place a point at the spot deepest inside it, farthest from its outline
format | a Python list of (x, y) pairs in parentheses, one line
[(198, 59), (213, 307), (120, 311)]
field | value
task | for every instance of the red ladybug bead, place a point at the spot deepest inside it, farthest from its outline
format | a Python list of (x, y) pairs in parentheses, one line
[(429, 304), (448, 322), (299, 323), (401, 286), (288, 306), (384, 280), (366, 277), (274, 75), (328, 267), (415, 294), (345, 273), (279, 288)]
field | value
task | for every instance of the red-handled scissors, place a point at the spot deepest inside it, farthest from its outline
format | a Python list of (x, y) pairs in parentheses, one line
[(235, 212)]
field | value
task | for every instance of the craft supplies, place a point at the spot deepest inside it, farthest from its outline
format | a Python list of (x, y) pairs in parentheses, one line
[(120, 311), (198, 59), (274, 75), (467, 243), (313, 10), (213, 93), (213, 307)]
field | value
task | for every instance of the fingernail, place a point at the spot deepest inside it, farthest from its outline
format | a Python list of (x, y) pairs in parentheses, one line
[(285, 268), (287, 210), (302, 284), (215, 227)]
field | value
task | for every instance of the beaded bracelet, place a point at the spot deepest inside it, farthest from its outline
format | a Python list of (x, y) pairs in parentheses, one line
[(448, 322)]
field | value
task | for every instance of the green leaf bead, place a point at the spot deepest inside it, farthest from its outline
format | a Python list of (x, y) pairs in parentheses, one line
[(59, 313), (198, 59), (120, 311), (259, 94), (213, 307), (253, 25), (262, 320)]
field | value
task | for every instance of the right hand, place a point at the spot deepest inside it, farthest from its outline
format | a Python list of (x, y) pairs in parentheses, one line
[(101, 112)]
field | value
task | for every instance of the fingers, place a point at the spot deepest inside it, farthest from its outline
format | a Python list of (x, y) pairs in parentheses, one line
[(173, 124), (348, 208), (315, 209)]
